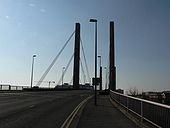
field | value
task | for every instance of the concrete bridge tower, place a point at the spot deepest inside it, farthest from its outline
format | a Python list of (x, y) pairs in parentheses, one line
[(112, 67), (76, 68)]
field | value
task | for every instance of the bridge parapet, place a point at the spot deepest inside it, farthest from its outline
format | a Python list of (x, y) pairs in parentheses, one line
[(155, 113), (6, 87)]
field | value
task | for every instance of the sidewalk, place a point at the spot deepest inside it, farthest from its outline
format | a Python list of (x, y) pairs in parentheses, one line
[(104, 115)]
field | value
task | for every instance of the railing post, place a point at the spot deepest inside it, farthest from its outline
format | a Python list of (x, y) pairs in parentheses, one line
[(127, 104), (9, 87), (141, 111), (156, 114)]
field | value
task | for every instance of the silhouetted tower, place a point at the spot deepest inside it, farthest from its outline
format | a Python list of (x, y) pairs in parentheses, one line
[(100, 78), (76, 68), (112, 67)]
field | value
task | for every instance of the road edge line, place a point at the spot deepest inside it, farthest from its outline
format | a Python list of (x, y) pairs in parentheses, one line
[(67, 123)]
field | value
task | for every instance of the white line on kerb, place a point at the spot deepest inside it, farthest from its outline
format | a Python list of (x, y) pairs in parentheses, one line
[(70, 118)]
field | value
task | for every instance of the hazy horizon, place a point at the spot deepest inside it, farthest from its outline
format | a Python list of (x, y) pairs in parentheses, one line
[(41, 27)]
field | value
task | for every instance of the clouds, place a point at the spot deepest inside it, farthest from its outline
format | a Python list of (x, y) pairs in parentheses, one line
[(38, 7), (7, 17), (141, 35), (42, 10), (32, 5)]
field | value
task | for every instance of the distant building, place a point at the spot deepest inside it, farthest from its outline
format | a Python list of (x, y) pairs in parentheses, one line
[(64, 86), (167, 97), (86, 86), (154, 96), (120, 91)]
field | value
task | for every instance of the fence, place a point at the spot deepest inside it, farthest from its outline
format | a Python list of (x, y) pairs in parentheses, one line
[(155, 113), (12, 87)]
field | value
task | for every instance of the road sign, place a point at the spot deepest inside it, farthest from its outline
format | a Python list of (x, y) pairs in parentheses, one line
[(97, 81)]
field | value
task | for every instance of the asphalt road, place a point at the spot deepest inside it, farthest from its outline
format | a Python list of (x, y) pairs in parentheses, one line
[(38, 109)]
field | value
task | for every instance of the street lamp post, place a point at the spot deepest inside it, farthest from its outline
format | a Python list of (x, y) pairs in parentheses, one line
[(100, 69), (105, 77), (63, 75), (95, 70), (100, 61), (32, 69)]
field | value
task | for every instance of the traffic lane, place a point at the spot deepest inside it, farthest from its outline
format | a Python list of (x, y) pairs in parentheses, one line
[(49, 114), (18, 101), (10, 99), (14, 101), (11, 116)]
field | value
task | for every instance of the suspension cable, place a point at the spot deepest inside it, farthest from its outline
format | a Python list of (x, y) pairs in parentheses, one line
[(80, 80), (71, 81), (69, 62), (107, 74), (83, 73), (53, 62), (85, 60)]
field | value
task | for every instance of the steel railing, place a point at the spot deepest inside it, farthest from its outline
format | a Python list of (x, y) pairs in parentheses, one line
[(155, 113), (12, 87)]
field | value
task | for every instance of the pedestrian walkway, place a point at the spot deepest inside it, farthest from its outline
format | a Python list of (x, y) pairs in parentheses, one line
[(104, 115)]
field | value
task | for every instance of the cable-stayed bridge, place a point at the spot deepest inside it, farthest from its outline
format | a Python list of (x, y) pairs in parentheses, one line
[(78, 63), (74, 107)]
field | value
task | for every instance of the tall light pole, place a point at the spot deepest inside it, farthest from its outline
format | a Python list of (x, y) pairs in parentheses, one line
[(32, 69), (63, 75), (100, 69), (95, 70), (100, 61), (105, 77)]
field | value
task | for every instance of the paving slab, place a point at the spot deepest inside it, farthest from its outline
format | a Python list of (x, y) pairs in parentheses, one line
[(104, 115)]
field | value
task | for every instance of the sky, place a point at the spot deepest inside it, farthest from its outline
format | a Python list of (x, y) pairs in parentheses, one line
[(41, 27)]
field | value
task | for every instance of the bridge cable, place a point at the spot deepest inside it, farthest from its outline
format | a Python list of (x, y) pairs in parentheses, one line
[(107, 74), (83, 73), (69, 62), (85, 60), (80, 80), (71, 81), (53, 62)]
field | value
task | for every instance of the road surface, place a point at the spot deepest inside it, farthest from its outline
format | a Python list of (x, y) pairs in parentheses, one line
[(38, 109)]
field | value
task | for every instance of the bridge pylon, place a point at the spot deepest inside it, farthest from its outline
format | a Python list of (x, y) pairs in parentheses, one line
[(112, 67), (76, 68)]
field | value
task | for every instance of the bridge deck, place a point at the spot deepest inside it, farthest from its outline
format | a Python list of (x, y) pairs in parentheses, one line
[(41, 109), (104, 115)]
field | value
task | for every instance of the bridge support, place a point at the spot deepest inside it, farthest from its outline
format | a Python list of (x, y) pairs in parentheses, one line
[(76, 68), (112, 67)]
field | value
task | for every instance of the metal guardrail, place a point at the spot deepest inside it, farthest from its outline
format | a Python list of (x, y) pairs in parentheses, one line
[(155, 113), (12, 87)]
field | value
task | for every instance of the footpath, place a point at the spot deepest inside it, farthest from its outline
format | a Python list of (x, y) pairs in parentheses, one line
[(104, 115)]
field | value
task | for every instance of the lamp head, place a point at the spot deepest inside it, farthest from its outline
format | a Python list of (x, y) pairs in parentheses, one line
[(93, 20)]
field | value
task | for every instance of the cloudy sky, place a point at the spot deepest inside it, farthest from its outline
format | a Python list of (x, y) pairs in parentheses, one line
[(41, 27)]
